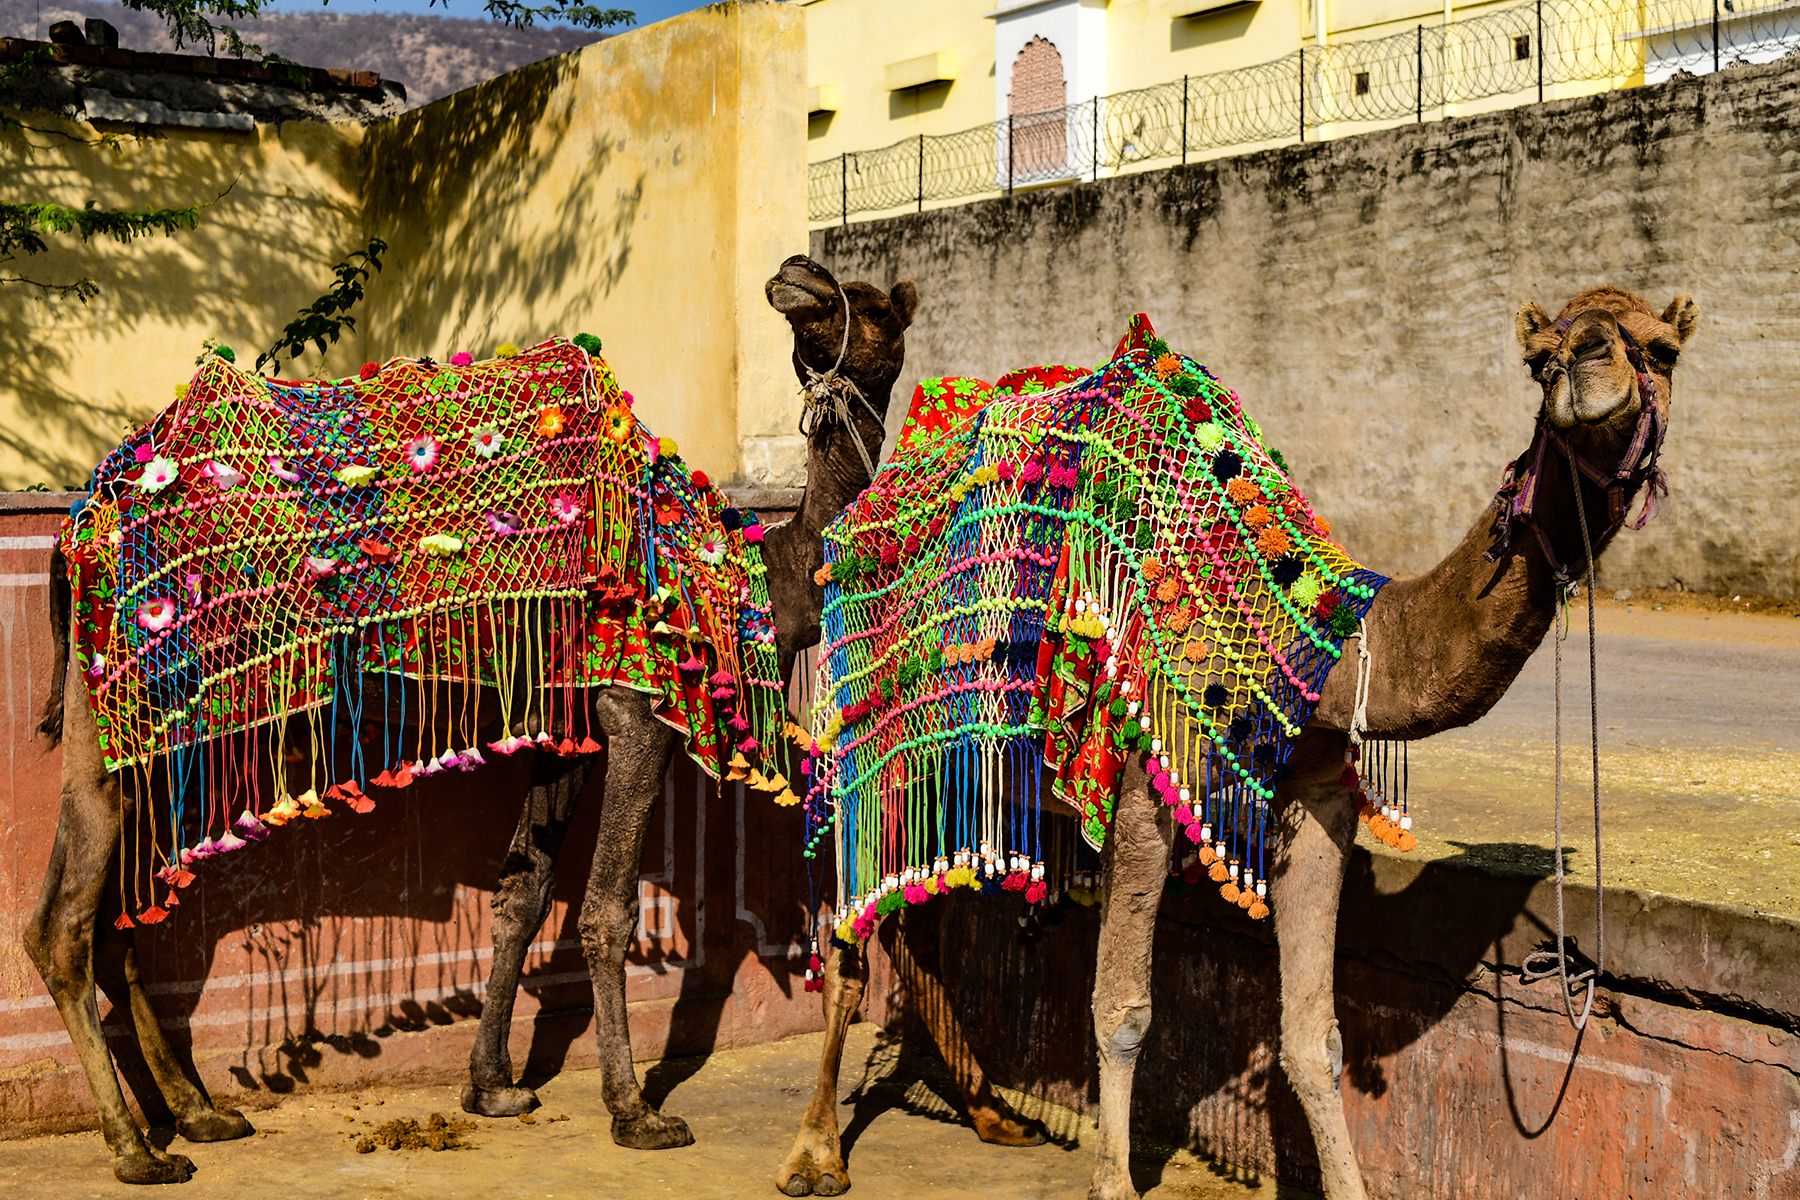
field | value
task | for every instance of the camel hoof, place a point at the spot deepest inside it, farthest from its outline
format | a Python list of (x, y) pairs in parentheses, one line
[(1012, 1130), (498, 1102), (805, 1178), (215, 1125), (651, 1131), (148, 1166)]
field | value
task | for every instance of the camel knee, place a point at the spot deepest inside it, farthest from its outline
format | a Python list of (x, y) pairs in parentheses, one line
[(1313, 1059), (606, 929), (1120, 1037)]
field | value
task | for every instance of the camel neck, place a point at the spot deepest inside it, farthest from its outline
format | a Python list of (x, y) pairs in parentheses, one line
[(794, 550)]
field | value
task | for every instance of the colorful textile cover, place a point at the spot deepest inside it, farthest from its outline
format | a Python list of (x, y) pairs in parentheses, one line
[(349, 547), (1064, 577)]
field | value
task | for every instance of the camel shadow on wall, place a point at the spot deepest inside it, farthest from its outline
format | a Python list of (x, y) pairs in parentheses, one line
[(1209, 1076)]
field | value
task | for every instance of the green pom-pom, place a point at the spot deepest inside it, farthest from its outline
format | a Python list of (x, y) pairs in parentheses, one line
[(892, 902), (1104, 491), (910, 670), (1279, 461), (936, 660), (846, 568), (1146, 536), (1344, 621), (1157, 347), (1185, 385), (226, 353), (588, 342), (1126, 508)]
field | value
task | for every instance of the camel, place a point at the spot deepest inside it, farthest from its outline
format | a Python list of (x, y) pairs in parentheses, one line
[(74, 942), (1445, 646)]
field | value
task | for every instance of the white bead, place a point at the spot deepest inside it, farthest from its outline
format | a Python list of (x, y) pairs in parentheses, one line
[(1144, 724), (1112, 670), (1186, 795), (1081, 606), (1406, 823), (1155, 744), (1131, 708)]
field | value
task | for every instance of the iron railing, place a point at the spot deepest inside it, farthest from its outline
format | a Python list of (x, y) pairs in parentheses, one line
[(1312, 93)]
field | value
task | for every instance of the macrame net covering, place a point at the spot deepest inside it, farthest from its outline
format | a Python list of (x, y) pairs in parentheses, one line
[(1056, 572), (404, 560)]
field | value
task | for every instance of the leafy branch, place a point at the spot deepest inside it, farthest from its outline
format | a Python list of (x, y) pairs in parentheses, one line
[(587, 16), (326, 319)]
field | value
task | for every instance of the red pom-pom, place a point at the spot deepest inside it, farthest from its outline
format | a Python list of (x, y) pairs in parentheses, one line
[(370, 370), (702, 479), (1036, 892), (1348, 778)]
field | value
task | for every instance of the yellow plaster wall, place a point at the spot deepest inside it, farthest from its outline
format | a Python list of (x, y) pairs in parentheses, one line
[(641, 189), (76, 376), (1146, 46), (849, 42)]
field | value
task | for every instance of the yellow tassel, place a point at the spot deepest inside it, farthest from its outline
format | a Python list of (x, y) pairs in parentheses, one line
[(787, 798), (757, 780), (777, 783)]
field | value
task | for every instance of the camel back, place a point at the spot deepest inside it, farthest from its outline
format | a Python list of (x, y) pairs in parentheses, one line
[(1065, 569), (264, 548)]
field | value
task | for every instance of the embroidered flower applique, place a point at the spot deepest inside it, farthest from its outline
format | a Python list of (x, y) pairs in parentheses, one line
[(158, 474), (712, 550), (223, 476), (504, 523), (156, 614), (422, 453), (566, 508), (487, 441), (279, 468)]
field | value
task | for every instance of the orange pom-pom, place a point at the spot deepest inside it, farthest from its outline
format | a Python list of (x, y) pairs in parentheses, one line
[(1220, 873), (1168, 589), (1207, 857), (1246, 898), (1324, 525), (1406, 841), (1153, 569), (1230, 892), (1258, 910)]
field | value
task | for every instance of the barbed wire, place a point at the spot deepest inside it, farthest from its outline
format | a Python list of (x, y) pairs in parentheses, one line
[(1314, 93)]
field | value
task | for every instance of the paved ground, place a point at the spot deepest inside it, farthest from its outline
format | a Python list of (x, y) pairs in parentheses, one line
[(1699, 766), (743, 1105)]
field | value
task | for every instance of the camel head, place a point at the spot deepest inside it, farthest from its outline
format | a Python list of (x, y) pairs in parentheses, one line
[(1584, 359), (816, 305)]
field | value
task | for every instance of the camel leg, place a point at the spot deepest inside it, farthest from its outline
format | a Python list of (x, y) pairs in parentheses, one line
[(1136, 866), (815, 1166), (60, 935), (116, 970), (914, 945), (1318, 827), (637, 754), (521, 903)]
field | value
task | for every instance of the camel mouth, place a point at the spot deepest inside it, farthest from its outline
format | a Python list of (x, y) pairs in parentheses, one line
[(801, 286), (1589, 381)]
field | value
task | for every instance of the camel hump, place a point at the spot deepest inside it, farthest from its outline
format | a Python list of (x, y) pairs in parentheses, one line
[(1137, 336)]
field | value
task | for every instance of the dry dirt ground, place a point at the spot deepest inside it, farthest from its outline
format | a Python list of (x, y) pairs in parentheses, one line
[(1699, 756), (903, 1138)]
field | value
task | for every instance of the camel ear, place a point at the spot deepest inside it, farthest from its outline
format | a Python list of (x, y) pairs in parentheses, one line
[(1683, 314), (1530, 322), (905, 299)]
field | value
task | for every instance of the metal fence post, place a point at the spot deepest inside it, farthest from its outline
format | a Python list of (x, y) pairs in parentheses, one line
[(1184, 120), (1540, 49), (1420, 67), (844, 161), (1009, 154), (921, 172), (1715, 35), (1096, 139), (1303, 93)]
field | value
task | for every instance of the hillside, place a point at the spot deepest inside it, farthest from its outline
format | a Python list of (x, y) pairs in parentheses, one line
[(432, 56)]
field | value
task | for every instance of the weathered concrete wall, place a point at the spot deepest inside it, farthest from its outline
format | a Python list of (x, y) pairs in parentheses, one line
[(641, 188), (1360, 294), (357, 948), (1461, 1082)]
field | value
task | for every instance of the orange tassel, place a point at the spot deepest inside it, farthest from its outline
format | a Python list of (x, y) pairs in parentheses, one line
[(1207, 857), (1230, 892), (151, 915), (1220, 873), (124, 922), (173, 899), (588, 746), (1258, 911)]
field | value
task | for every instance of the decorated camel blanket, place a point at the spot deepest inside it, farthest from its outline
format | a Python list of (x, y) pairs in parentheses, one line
[(349, 549), (1059, 571)]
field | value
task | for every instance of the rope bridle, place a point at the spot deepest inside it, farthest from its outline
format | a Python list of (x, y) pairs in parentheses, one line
[(829, 394), (1517, 499), (1518, 494)]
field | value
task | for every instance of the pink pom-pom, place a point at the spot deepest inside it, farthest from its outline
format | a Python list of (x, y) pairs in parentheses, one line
[(753, 533), (461, 358), (1031, 473), (1036, 892), (916, 894), (1006, 469), (1193, 833)]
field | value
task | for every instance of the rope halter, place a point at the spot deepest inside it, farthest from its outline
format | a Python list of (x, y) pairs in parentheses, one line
[(829, 394)]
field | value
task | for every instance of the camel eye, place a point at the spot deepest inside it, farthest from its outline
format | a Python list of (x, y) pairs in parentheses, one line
[(1663, 355), (1535, 362)]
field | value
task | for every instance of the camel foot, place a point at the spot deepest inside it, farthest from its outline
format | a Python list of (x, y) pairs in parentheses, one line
[(801, 1176), (1001, 1126), (215, 1125), (651, 1131), (498, 1102), (1112, 1185), (146, 1165)]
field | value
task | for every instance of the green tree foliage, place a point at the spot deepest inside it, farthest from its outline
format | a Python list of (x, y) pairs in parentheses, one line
[(326, 319)]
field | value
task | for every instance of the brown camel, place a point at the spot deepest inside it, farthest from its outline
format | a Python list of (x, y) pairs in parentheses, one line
[(71, 937), (1445, 646), (639, 746)]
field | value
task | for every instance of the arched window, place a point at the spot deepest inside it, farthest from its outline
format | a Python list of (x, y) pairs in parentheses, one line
[(1037, 102)]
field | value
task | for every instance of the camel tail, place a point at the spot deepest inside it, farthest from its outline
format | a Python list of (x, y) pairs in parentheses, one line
[(52, 724)]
